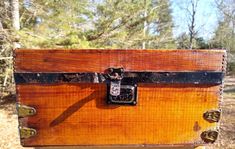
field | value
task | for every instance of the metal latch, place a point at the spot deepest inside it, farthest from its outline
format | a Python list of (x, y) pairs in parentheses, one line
[(27, 132), (119, 93), (24, 111), (212, 116)]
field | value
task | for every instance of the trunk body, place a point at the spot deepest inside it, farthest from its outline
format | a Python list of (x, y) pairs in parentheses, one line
[(74, 107)]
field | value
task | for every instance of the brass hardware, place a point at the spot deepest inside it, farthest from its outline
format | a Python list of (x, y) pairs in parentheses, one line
[(27, 132), (212, 116), (209, 136), (24, 111)]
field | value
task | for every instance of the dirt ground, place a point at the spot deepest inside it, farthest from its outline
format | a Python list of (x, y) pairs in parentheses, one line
[(227, 126), (9, 124)]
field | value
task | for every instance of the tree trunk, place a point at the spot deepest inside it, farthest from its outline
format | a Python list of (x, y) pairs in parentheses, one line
[(15, 20), (145, 25), (192, 25), (15, 14)]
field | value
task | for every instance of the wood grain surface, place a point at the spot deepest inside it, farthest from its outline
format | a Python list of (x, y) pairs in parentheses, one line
[(76, 114), (28, 60)]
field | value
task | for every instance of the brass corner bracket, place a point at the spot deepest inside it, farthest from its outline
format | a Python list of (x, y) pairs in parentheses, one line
[(212, 116), (24, 111), (27, 132), (209, 136)]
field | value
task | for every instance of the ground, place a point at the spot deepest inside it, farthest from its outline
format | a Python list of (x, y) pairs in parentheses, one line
[(227, 126), (9, 127), (9, 124)]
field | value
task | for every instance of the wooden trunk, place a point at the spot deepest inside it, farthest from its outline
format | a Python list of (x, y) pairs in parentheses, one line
[(177, 102)]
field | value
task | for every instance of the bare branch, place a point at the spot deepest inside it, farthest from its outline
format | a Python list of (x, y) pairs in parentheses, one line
[(6, 58)]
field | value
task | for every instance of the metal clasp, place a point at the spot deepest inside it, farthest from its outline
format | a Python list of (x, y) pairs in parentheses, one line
[(115, 75), (119, 93)]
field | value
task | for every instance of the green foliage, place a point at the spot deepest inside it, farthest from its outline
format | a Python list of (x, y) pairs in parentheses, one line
[(184, 43), (224, 38), (50, 23), (121, 24), (104, 24), (201, 43), (6, 41)]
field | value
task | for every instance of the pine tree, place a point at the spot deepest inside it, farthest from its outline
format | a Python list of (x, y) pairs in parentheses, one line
[(225, 33), (163, 22), (121, 24), (224, 38), (104, 24), (54, 23)]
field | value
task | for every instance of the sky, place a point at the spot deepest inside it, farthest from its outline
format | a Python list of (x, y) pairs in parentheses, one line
[(206, 17)]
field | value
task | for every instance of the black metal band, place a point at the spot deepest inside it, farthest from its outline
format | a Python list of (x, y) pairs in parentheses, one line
[(128, 77)]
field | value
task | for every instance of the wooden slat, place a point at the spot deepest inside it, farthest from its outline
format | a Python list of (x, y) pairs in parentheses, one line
[(76, 114), (28, 60)]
